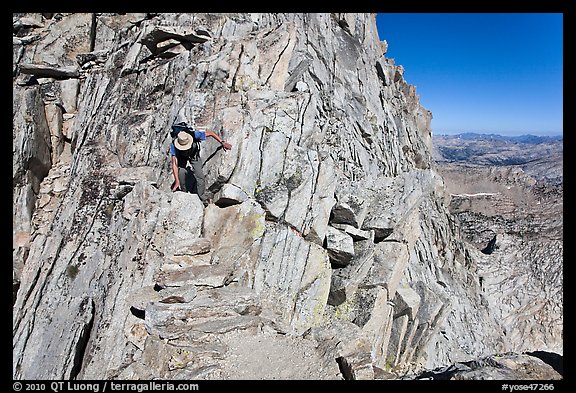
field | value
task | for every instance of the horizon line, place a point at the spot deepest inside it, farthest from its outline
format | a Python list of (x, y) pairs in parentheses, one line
[(503, 133), (497, 134)]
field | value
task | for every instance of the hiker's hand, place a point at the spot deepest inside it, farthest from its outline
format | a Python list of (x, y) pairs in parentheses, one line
[(226, 145), (176, 187)]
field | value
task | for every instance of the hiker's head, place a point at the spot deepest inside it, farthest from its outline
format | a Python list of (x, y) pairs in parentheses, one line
[(183, 141)]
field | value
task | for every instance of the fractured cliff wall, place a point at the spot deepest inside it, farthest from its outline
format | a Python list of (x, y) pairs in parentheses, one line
[(328, 223)]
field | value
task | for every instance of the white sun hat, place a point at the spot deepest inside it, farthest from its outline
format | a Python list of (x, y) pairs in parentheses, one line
[(183, 141)]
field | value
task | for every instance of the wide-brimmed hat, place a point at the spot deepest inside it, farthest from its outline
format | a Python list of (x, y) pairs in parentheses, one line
[(183, 141)]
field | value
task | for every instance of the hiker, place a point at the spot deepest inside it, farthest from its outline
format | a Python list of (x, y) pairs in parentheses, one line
[(184, 150)]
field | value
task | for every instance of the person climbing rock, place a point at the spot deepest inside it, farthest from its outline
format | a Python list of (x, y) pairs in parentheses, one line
[(186, 162)]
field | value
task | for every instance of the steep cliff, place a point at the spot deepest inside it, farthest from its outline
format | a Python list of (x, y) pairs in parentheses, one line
[(329, 239)]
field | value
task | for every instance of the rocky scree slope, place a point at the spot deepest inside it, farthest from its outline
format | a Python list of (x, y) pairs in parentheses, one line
[(329, 235)]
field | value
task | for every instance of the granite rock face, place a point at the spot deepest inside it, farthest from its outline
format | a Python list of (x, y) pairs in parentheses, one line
[(329, 237)]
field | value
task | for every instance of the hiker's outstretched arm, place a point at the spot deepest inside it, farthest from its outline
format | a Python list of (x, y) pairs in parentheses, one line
[(175, 173), (224, 144), (215, 136)]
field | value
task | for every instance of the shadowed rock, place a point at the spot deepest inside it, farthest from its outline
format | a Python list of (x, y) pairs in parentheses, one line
[(44, 71)]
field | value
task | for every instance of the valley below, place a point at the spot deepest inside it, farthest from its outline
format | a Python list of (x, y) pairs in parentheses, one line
[(507, 195)]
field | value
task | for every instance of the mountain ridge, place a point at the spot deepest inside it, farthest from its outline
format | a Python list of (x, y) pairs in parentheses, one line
[(523, 138), (541, 157)]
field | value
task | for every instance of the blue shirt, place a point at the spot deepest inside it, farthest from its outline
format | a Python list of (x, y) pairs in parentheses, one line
[(198, 136)]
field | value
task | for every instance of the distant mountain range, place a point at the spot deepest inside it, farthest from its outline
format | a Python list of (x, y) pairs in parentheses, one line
[(532, 139), (539, 156)]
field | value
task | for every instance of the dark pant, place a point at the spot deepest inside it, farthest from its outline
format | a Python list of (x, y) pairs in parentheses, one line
[(192, 180)]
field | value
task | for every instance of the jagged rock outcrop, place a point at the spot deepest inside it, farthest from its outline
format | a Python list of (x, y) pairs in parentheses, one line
[(329, 237)]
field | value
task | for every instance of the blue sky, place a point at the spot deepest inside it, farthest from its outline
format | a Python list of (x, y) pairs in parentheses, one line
[(482, 72)]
